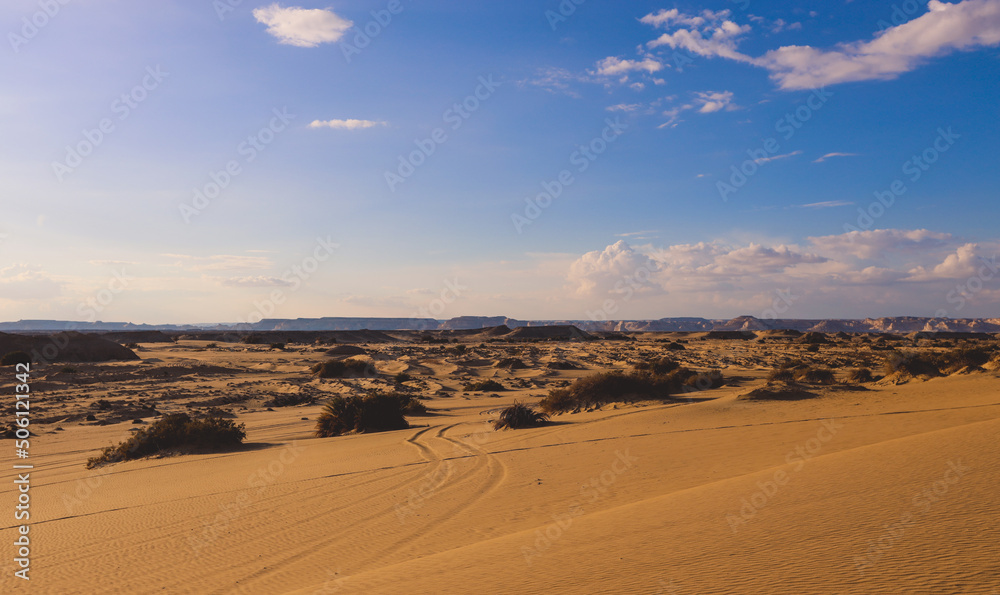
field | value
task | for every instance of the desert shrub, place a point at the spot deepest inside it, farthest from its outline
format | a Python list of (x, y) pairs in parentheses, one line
[(348, 368), (781, 375), (13, 358), (289, 400), (812, 348), (411, 404), (68, 370), (374, 412), (816, 376), (860, 375), (458, 349), (518, 416), (624, 387), (967, 357), (675, 346), (910, 364), (483, 385), (401, 378), (211, 346), (177, 431), (657, 366), (278, 346)]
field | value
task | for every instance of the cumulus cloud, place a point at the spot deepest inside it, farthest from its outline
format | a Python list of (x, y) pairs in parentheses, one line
[(945, 28), (877, 243), (349, 124), (855, 274), (605, 271), (302, 27), (964, 262)]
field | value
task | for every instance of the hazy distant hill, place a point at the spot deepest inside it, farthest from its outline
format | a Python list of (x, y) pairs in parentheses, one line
[(894, 324)]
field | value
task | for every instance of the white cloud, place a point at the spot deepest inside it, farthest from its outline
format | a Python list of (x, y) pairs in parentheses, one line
[(601, 272), (255, 281), (666, 18), (877, 243), (710, 35), (612, 66), (964, 262), (26, 282), (714, 101), (349, 124), (302, 27), (624, 107), (832, 155), (763, 160), (827, 204), (943, 29), (220, 262)]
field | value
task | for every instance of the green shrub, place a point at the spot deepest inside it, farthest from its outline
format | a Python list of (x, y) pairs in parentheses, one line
[(13, 358), (348, 368), (177, 431), (374, 412), (519, 416)]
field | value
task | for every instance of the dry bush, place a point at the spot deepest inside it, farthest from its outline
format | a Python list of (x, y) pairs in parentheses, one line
[(348, 368), (375, 412), (519, 416), (483, 386), (860, 376), (624, 387), (177, 431)]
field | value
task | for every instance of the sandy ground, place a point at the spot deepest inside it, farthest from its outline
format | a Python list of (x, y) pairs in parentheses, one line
[(888, 489)]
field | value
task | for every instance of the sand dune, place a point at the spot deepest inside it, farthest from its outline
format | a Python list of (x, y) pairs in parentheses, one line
[(885, 490)]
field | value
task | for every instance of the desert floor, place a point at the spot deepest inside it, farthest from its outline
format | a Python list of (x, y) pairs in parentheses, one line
[(885, 488)]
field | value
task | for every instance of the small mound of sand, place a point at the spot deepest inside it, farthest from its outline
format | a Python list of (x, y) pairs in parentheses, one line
[(562, 365), (777, 392), (511, 363)]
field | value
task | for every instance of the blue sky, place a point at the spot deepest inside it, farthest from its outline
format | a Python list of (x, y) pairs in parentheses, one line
[(822, 104)]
